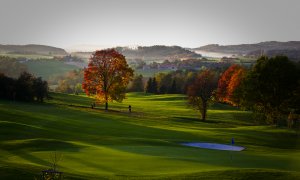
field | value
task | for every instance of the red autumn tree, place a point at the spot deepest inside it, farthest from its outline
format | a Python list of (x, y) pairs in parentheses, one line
[(224, 82), (201, 91), (233, 96), (228, 83), (107, 76)]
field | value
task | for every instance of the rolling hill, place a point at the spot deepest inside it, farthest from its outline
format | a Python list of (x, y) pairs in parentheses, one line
[(269, 48), (150, 53), (32, 49)]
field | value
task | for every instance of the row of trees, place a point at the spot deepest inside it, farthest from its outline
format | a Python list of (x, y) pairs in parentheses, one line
[(175, 82), (137, 84), (270, 88), (25, 88)]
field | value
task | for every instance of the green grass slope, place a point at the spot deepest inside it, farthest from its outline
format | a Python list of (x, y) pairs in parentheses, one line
[(96, 144), (47, 68)]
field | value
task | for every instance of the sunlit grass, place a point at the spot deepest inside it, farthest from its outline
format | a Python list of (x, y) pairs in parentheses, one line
[(142, 144)]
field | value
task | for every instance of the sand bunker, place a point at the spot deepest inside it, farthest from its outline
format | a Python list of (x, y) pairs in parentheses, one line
[(214, 146)]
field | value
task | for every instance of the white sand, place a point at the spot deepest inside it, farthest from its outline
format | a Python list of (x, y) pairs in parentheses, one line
[(214, 146)]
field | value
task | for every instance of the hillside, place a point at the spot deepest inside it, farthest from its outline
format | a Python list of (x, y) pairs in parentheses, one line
[(32, 49), (150, 53), (270, 48)]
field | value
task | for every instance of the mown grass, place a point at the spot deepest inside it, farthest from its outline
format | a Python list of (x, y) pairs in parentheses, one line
[(144, 144)]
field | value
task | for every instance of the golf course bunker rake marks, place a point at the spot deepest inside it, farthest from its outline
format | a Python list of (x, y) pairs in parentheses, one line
[(215, 146)]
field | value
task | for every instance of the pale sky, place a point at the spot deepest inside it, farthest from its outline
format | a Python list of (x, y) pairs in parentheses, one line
[(187, 23)]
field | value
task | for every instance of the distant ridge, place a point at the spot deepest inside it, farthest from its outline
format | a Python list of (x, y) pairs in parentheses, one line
[(270, 48), (150, 53), (32, 49)]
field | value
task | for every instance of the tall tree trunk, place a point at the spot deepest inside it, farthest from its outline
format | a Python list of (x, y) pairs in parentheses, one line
[(106, 101), (204, 110), (106, 105)]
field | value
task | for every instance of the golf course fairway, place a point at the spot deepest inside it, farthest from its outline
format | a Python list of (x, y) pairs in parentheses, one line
[(143, 144)]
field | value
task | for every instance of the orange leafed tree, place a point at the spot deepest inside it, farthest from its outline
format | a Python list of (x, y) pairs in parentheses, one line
[(107, 76), (235, 81), (224, 81), (229, 82)]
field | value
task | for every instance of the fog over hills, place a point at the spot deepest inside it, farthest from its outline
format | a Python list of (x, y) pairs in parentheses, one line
[(161, 52), (150, 53), (269, 48)]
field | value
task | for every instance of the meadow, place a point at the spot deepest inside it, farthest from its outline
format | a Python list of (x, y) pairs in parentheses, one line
[(144, 144), (30, 56), (48, 68)]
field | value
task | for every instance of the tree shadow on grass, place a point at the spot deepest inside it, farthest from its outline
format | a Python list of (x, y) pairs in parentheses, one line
[(195, 120), (13, 171), (30, 158), (40, 145)]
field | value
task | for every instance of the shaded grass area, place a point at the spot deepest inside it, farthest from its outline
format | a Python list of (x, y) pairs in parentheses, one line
[(143, 144)]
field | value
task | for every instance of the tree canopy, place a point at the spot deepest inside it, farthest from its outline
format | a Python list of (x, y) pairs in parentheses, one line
[(228, 85), (269, 86), (201, 91), (137, 84), (107, 76), (25, 88)]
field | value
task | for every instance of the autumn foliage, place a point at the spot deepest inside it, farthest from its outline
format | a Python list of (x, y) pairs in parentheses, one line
[(201, 91), (228, 83), (107, 76)]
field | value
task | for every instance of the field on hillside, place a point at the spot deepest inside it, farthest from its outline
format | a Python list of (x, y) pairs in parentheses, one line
[(30, 56), (96, 144), (47, 68)]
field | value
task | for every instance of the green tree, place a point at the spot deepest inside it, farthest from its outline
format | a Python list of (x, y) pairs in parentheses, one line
[(154, 86), (148, 88), (78, 88), (40, 89), (163, 82), (24, 87), (173, 88), (137, 84), (269, 85)]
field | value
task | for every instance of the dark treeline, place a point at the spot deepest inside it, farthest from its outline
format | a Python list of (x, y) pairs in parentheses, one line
[(25, 88), (137, 84), (270, 89), (175, 82)]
